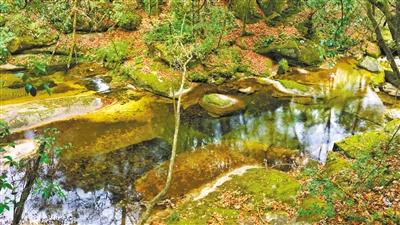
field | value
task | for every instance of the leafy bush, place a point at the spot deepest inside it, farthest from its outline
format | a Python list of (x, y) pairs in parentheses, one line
[(125, 18), (113, 54), (44, 161), (204, 31), (283, 66), (152, 6), (265, 42)]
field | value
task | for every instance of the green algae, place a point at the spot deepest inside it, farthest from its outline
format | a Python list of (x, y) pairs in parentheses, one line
[(290, 84)]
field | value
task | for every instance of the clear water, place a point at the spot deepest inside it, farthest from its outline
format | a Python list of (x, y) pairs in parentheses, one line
[(99, 172)]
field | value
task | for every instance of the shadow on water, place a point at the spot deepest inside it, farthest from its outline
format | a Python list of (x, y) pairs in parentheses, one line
[(99, 183)]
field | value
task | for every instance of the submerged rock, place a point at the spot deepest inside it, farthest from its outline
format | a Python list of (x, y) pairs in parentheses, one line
[(288, 87), (23, 149), (221, 105), (31, 114), (370, 64), (192, 170), (10, 67), (248, 90)]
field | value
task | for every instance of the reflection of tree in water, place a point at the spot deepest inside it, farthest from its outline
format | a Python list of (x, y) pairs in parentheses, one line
[(99, 188), (312, 125)]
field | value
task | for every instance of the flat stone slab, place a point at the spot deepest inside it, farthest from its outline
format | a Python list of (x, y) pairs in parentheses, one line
[(31, 114)]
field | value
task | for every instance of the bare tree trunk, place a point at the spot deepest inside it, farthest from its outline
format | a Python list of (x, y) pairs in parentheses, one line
[(381, 41), (74, 11), (31, 176), (164, 191)]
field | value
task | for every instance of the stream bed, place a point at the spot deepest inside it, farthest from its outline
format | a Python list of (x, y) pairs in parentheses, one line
[(116, 145)]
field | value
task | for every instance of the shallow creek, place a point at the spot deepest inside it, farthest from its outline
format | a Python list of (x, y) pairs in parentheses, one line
[(117, 144)]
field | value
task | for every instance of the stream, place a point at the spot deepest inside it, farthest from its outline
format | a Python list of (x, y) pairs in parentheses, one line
[(117, 144)]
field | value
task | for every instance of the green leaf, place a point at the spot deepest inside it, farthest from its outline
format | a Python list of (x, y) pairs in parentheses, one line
[(33, 91), (3, 207), (28, 87), (47, 88)]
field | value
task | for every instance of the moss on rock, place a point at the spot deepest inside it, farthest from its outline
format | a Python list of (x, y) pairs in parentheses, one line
[(359, 144), (240, 197), (246, 10), (297, 52), (293, 85)]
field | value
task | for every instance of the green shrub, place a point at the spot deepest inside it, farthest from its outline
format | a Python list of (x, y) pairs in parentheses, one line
[(205, 34), (129, 21), (283, 66), (37, 67), (113, 54), (265, 42), (198, 77)]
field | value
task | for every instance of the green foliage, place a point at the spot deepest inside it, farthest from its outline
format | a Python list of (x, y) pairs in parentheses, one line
[(38, 67), (113, 54), (203, 31), (125, 17), (320, 186), (198, 77), (331, 19), (57, 13), (48, 188), (265, 42), (152, 6), (48, 153), (283, 66), (5, 37)]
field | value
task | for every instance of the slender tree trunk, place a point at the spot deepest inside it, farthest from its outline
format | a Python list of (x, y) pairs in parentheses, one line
[(31, 176), (381, 41), (164, 191), (74, 11)]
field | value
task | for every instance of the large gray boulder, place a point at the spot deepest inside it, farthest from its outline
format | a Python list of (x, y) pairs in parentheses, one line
[(370, 64)]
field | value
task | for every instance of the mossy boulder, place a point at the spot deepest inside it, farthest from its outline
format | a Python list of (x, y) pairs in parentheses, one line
[(357, 145), (246, 10), (153, 76), (223, 65), (372, 49), (297, 52), (240, 198), (198, 77), (28, 33), (310, 209), (270, 7), (221, 105), (371, 64)]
